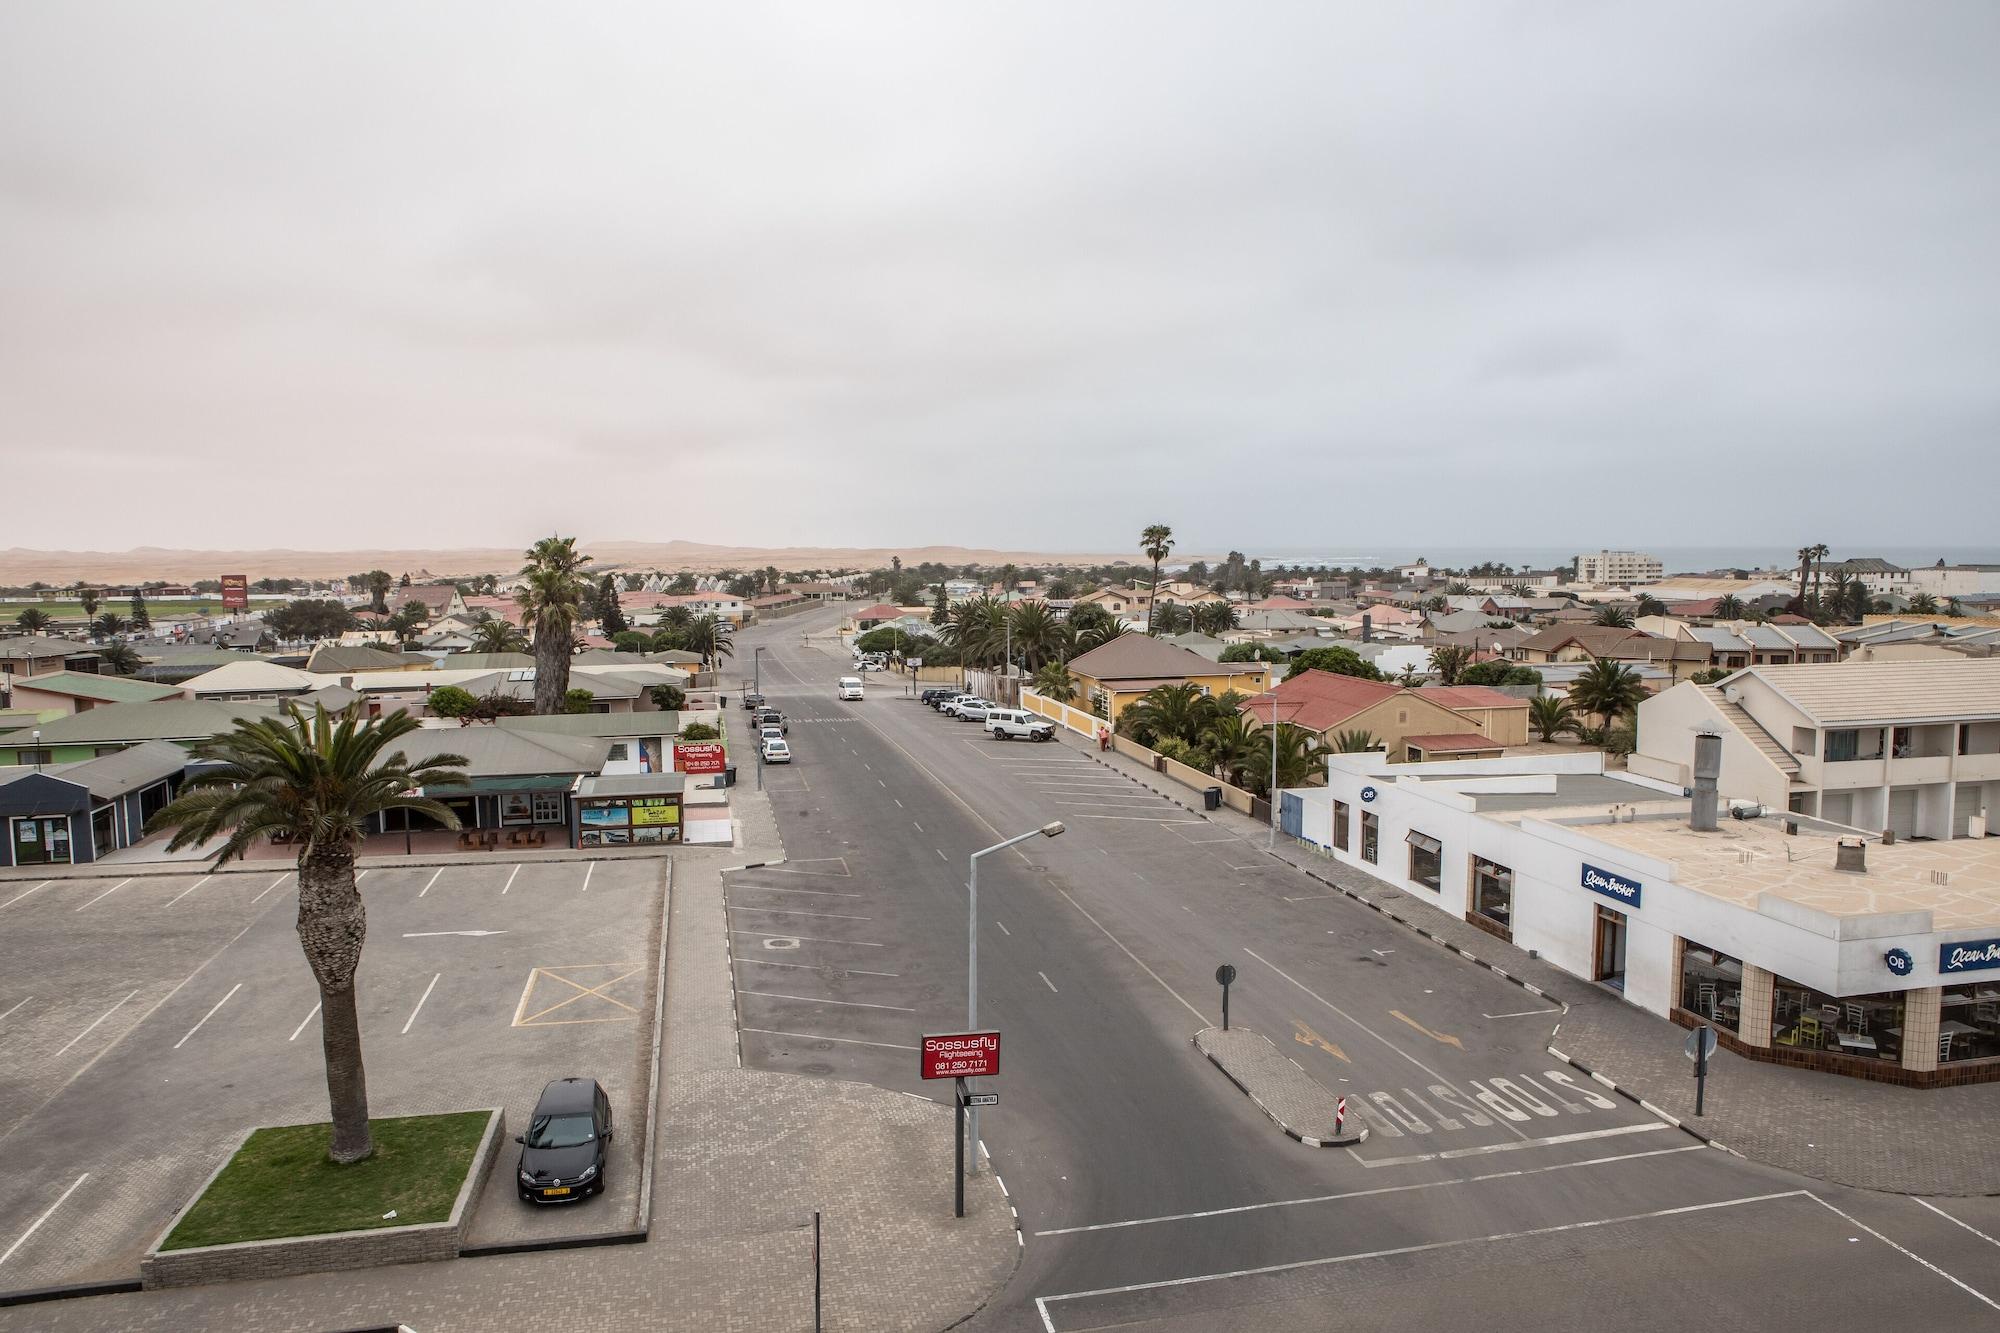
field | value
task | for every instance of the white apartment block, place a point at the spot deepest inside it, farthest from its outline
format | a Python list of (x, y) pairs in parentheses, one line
[(1942, 580), (1620, 567)]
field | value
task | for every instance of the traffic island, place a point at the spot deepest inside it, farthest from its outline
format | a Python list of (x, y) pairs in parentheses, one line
[(278, 1206), (1297, 1102)]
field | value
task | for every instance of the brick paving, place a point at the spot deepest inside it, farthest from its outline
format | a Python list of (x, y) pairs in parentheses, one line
[(743, 1158), (1297, 1102), (1877, 1136)]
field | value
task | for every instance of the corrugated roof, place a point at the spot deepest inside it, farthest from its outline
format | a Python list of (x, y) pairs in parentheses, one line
[(1453, 740), (33, 647), (1889, 692), (106, 689), (497, 752), (253, 677), (128, 770), (1133, 657), (166, 719), (1470, 696)]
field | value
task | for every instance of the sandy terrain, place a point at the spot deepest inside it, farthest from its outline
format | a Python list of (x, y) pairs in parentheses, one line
[(19, 567)]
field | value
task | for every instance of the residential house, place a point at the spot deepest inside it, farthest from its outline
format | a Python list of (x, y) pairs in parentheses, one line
[(65, 693), (76, 813), (1892, 639), (1911, 748), (1742, 643), (1327, 704), (868, 617), (1679, 658), (1500, 717), (109, 728), (252, 681), (1130, 601), (439, 599), (334, 658), (37, 655), (1255, 623), (1115, 675)]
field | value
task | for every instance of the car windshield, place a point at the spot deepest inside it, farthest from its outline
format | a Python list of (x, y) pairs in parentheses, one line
[(560, 1131)]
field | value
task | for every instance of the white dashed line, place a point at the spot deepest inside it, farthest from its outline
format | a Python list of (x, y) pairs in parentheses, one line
[(510, 880), (1050, 984), (1003, 928), (16, 1005), (24, 893), (94, 1022), (189, 889), (210, 1014), (107, 893), (420, 1000), (588, 867), (303, 1021)]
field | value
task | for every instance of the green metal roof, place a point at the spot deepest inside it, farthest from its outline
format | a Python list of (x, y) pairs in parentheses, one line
[(106, 689), (522, 782)]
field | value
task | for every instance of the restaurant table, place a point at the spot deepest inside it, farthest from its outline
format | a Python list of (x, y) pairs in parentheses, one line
[(1855, 1041)]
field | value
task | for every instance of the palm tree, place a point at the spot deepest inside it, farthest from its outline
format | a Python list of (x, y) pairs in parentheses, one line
[(1180, 711), (553, 586), (1552, 717), (1053, 681), (1923, 604), (117, 659), (1449, 661), (1520, 590), (1296, 762), (1820, 553), (1615, 616), (34, 620), (1650, 605), (978, 629), (1858, 602), (318, 779), (1607, 689), (710, 635), (1953, 607), (1356, 741), (378, 583), (1169, 618), (1036, 632), (498, 636), (1214, 617), (110, 625), (1458, 588), (1729, 607), (1155, 542), (1094, 627)]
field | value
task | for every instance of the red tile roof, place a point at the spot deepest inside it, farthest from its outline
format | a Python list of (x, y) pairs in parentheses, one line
[(879, 611), (1470, 696), (1317, 700), (1455, 740)]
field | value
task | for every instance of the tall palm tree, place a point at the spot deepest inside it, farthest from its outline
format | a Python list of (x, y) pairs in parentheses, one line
[(711, 636), (1215, 617), (1180, 711), (978, 629), (1053, 681), (1551, 716), (1036, 632), (117, 659), (1449, 661), (1729, 607), (107, 626), (553, 588), (1923, 604), (1170, 618), (1155, 542), (1608, 689), (1820, 553), (34, 620), (498, 636), (1231, 742), (317, 779), (1616, 616), (1094, 627), (1807, 554), (1296, 761), (379, 581)]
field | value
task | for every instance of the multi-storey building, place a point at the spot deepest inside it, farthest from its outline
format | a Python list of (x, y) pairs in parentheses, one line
[(1619, 567)]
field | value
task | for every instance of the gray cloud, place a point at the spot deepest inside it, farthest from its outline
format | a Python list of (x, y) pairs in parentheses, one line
[(1290, 276)]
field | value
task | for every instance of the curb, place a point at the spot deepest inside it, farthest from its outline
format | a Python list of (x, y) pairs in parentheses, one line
[(37, 1295), (753, 865), (644, 1216), (591, 1242), (1642, 1103), (1343, 1141)]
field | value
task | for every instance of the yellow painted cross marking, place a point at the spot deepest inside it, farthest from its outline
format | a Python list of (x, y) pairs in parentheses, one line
[(1305, 1036), (1446, 1038), (547, 983)]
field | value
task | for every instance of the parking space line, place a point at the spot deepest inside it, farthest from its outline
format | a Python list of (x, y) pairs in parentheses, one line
[(804, 967), (1973, 1292), (1925, 1202), (287, 875), (809, 999), (107, 893), (36, 1225), (809, 1036), (16, 1005), (189, 889), (1003, 929), (210, 1014), (919, 827), (427, 883), (24, 893), (303, 1021), (1050, 984), (420, 1000), (814, 939), (587, 868), (510, 880), (817, 893), (94, 1022), (790, 911)]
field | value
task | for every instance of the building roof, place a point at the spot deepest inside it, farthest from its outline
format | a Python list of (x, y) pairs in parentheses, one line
[(1453, 740), (1282, 604), (632, 784), (491, 751), (102, 689), (1889, 692), (1140, 657), (1206, 644), (879, 611), (253, 677), (128, 770), (1866, 564), (35, 647), (1719, 638), (655, 723), (165, 719), (334, 657), (486, 661), (436, 597), (1317, 700), (1470, 696)]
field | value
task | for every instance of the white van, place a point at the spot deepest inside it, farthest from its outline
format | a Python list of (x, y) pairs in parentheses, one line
[(1013, 724), (850, 687)]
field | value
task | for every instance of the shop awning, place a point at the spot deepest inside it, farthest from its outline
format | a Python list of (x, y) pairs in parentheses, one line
[(493, 785)]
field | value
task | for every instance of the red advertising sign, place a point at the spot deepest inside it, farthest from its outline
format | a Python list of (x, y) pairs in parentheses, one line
[(236, 591), (961, 1055), (700, 757)]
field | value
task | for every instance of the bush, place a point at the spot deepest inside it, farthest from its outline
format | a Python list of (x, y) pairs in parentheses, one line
[(1251, 652), (1499, 673), (578, 701), (450, 701), (700, 731), (1340, 661), (669, 697)]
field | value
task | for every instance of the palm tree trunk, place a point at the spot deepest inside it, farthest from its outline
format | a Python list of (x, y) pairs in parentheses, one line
[(332, 926), (551, 666), (1153, 597)]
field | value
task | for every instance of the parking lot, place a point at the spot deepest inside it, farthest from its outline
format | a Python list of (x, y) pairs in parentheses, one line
[(147, 1021)]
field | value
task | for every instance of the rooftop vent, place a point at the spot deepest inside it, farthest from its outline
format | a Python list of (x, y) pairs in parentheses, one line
[(1851, 855)]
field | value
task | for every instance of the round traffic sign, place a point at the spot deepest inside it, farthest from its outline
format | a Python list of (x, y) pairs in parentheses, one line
[(1226, 973), (1699, 1037)]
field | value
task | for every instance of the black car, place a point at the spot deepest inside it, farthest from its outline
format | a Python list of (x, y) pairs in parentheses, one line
[(562, 1154), (932, 698), (753, 701)]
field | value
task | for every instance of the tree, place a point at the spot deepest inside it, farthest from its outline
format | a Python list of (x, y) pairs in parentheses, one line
[(610, 617), (709, 635), (317, 778), (406, 620), (1340, 661), (551, 597), (1923, 604), (578, 701), (1552, 717), (1038, 635), (1458, 588), (88, 597), (1953, 607), (117, 659), (1449, 661), (1355, 741), (978, 630), (1710, 675), (1650, 605), (1215, 617), (1155, 542), (1607, 689), (141, 618), (1858, 603), (681, 585), (940, 607), (1169, 618), (498, 636), (1093, 627), (1053, 681), (1499, 673), (1231, 742), (450, 701), (1729, 607), (668, 698), (1251, 652), (1296, 763), (1180, 711), (700, 731), (1616, 616), (109, 625), (378, 583), (34, 620), (309, 618)]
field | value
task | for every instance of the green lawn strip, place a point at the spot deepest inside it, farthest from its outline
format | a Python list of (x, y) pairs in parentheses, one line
[(121, 606), (280, 1182)]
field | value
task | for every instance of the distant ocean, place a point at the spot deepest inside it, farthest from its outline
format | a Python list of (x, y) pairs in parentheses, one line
[(1678, 559)]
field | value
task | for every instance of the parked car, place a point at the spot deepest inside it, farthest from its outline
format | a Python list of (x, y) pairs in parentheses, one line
[(777, 750), (753, 701), (562, 1154), (769, 731), (850, 687), (973, 710), (771, 717), (1010, 724), (933, 697), (951, 706)]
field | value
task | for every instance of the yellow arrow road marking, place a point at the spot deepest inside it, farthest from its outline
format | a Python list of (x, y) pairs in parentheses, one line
[(1434, 1036), (1305, 1036)]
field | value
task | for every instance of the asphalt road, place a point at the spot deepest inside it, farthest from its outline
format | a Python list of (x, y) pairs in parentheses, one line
[(1149, 1188)]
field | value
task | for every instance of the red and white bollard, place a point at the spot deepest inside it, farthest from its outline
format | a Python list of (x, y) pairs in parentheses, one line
[(1339, 1116)]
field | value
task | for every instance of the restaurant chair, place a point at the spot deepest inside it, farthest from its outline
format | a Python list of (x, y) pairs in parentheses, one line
[(1809, 1031), (1704, 998), (1944, 1045), (1857, 1017)]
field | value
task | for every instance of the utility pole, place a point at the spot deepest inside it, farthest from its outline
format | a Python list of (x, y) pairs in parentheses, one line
[(1051, 829), (1271, 842)]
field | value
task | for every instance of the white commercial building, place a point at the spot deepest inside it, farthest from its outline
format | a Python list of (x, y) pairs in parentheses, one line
[(1799, 944), (1944, 581), (1620, 567)]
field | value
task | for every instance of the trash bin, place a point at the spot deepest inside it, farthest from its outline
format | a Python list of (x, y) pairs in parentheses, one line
[(1211, 798), (722, 701), (729, 776)]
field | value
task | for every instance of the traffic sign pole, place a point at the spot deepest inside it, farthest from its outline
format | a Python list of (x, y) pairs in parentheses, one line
[(958, 1168), (1224, 975), (1701, 1071)]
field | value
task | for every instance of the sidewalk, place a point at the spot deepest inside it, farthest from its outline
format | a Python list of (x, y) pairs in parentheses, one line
[(1849, 1131)]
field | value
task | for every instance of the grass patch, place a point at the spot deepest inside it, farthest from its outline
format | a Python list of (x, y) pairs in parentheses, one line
[(280, 1182), (122, 606)]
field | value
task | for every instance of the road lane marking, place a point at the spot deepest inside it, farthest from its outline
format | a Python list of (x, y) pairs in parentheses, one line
[(107, 893), (16, 1005), (425, 996), (303, 1021), (899, 804), (1925, 1202), (941, 855), (1365, 1194), (1522, 1013), (818, 893), (189, 889), (94, 1022), (917, 826), (24, 893), (1199, 1015), (589, 866), (1001, 924), (815, 939), (36, 1225), (808, 1036), (810, 967), (792, 911), (808, 999), (510, 880), (432, 934), (210, 1014), (288, 874), (1305, 1036), (1443, 1037), (1976, 1294), (1050, 984), (429, 882)]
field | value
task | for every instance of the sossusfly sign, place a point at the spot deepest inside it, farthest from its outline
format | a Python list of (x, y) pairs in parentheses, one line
[(961, 1055), (1969, 956), (1611, 886), (700, 757)]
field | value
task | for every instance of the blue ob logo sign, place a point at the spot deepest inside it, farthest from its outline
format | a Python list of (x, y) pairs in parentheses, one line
[(1969, 956), (1900, 962), (1367, 793), (1624, 890)]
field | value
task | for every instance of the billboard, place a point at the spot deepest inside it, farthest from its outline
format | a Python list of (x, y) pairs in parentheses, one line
[(236, 591), (961, 1054), (699, 757)]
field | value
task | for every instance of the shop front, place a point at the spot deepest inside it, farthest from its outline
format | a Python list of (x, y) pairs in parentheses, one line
[(628, 810)]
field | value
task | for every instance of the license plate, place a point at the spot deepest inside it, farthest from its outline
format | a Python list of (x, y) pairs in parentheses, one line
[(562, 1190)]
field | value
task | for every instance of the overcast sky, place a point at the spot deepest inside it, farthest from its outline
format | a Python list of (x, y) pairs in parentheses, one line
[(1282, 276)]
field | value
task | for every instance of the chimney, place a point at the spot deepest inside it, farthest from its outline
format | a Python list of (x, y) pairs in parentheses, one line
[(1707, 768), (1851, 855), (1367, 628)]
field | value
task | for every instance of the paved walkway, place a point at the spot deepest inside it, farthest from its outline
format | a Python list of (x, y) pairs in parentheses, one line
[(1849, 1131), (1297, 1102), (743, 1159)]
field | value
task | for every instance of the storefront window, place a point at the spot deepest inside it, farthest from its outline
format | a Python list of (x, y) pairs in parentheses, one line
[(1426, 859), (1969, 1021), (1493, 892), (1371, 836), (1340, 825), (548, 807), (620, 822), (1870, 1026), (515, 808), (1711, 984)]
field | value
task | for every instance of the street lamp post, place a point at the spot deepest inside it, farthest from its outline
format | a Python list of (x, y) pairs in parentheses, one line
[(1051, 829), (757, 688), (1271, 841)]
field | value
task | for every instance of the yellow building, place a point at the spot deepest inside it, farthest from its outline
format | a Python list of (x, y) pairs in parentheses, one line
[(1121, 671)]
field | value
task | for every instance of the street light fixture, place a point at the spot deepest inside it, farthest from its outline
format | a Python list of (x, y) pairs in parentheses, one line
[(1052, 829)]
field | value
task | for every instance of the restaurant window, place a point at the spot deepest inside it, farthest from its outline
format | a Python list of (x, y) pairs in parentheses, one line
[(1969, 1021), (1371, 836), (1711, 984), (1426, 859), (1870, 1026), (516, 808), (548, 807), (1493, 892), (1340, 825)]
